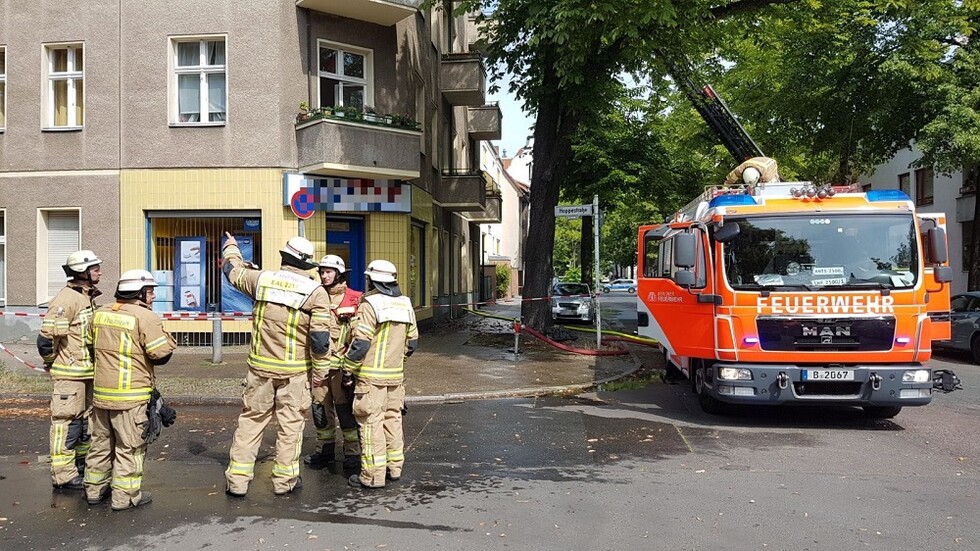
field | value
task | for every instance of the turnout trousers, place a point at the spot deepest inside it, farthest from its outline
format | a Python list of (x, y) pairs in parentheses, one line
[(71, 407), (336, 413), (378, 410), (116, 457), (264, 399)]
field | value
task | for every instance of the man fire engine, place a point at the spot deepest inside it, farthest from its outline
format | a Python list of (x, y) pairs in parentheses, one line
[(790, 292)]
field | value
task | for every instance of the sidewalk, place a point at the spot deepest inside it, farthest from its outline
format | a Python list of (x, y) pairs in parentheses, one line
[(463, 359)]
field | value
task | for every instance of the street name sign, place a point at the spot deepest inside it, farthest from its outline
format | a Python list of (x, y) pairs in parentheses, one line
[(573, 211)]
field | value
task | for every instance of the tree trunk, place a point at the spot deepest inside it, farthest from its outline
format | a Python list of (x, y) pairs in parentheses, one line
[(586, 244), (553, 129), (973, 279)]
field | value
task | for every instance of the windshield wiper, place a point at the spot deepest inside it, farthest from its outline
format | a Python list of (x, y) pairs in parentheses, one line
[(857, 285)]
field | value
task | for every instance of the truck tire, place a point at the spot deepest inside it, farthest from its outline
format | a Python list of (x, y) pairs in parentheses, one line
[(709, 404), (975, 348), (882, 412)]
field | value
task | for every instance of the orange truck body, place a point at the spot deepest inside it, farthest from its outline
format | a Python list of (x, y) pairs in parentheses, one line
[(773, 312)]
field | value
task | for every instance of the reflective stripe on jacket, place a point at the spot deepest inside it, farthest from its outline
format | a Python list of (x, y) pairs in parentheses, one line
[(68, 324), (388, 323), (128, 338)]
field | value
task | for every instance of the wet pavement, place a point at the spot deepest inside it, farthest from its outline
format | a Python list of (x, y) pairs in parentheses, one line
[(611, 470)]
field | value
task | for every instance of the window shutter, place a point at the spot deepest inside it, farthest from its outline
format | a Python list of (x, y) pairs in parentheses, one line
[(62, 241)]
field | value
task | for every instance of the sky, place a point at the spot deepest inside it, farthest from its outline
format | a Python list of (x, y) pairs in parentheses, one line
[(516, 125)]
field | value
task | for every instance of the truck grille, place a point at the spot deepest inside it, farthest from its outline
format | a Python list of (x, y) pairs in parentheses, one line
[(826, 334)]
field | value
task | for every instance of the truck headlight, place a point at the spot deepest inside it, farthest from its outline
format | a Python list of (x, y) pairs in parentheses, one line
[(916, 376), (735, 374)]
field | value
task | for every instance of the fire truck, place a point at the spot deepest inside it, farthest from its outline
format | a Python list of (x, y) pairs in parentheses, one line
[(796, 293)]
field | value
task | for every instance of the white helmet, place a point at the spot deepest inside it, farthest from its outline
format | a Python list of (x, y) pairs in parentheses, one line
[(381, 271), (134, 281), (299, 248), (751, 175), (333, 261), (79, 261)]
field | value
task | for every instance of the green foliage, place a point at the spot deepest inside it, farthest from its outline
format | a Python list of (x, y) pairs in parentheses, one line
[(573, 273), (503, 280)]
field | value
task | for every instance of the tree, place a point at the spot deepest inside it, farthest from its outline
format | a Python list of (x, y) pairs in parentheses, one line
[(562, 56)]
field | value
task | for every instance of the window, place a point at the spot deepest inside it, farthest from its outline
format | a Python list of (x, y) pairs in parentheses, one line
[(64, 91), (3, 100), (345, 75), (200, 88), (905, 184), (3, 258), (58, 233), (416, 265), (923, 186)]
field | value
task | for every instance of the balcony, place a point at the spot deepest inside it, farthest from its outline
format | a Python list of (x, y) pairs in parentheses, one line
[(355, 149), (462, 79), (380, 12), (484, 122), (462, 190), (490, 215), (474, 42)]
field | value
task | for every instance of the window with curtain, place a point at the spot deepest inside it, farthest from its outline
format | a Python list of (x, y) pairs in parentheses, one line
[(65, 91), (3, 106), (345, 76), (199, 80)]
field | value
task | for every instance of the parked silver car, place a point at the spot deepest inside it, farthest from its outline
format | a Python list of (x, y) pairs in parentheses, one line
[(965, 318), (572, 301)]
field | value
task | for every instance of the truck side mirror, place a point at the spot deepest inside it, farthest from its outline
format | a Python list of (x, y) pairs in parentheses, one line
[(943, 274), (684, 278), (937, 248), (727, 232), (684, 249)]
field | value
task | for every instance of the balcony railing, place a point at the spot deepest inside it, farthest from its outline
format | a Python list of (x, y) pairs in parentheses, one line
[(490, 214), (484, 122), (461, 190), (340, 146), (379, 12), (462, 79)]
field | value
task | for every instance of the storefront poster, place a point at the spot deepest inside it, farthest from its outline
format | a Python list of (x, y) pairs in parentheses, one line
[(189, 274), (233, 300)]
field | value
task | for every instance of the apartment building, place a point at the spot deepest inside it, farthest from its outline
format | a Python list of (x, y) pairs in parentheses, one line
[(953, 194), (503, 239), (146, 130)]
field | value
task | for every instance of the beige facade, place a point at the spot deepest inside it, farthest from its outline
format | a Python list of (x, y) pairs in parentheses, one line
[(160, 121)]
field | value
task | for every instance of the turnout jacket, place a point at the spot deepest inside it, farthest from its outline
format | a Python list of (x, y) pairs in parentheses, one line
[(385, 334), (65, 341), (343, 304), (290, 320), (129, 341)]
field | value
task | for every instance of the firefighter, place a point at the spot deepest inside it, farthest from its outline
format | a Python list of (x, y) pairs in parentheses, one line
[(760, 170), (290, 334), (331, 398), (65, 345), (130, 342), (384, 336)]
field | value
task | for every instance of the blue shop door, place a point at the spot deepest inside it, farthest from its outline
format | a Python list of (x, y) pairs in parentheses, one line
[(345, 238)]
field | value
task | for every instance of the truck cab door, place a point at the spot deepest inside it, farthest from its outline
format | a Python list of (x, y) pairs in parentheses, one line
[(939, 291), (677, 313)]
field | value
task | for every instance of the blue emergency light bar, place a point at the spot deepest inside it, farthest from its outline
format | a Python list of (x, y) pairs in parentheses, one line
[(887, 195), (732, 201)]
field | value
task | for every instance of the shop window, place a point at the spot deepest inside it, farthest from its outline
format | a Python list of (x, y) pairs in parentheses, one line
[(416, 265), (58, 237), (194, 281)]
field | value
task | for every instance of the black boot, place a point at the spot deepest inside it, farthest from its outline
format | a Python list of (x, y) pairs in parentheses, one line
[(77, 483), (352, 463), (319, 460)]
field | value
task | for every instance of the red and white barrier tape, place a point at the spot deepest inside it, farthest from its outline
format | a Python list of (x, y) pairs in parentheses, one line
[(28, 364)]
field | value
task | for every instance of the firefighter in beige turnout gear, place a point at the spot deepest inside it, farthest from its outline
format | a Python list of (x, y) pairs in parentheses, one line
[(290, 335), (65, 345), (129, 342), (386, 334), (757, 170), (331, 397)]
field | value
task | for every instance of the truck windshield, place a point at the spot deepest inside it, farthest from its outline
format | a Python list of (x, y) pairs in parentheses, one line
[(815, 251)]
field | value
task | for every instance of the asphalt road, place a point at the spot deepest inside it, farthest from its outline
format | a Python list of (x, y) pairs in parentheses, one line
[(636, 469)]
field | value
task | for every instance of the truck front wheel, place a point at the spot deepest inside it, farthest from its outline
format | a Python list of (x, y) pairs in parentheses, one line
[(882, 412), (709, 404)]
